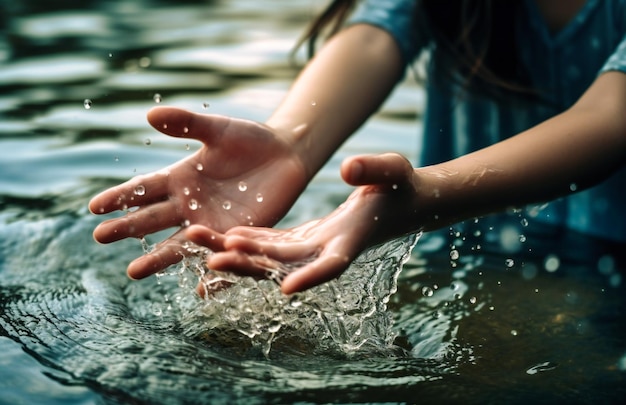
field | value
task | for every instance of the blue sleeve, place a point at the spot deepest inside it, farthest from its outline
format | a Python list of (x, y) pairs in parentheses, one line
[(617, 61), (395, 17)]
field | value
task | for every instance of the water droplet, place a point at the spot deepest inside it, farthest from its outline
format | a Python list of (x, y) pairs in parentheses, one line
[(454, 286), (110, 55), (87, 104), (313, 103), (193, 204), (547, 366), (186, 191), (227, 205), (473, 300), (376, 218), (186, 223), (454, 254), (514, 332), (140, 190), (295, 302), (274, 326), (394, 186), (522, 238), (164, 126), (117, 159), (144, 62), (552, 263), (185, 130), (573, 187), (259, 197), (199, 167), (606, 265), (157, 98), (427, 291), (147, 141), (509, 263), (205, 105), (524, 222), (242, 186)]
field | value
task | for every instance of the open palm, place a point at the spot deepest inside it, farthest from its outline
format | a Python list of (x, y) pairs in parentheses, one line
[(242, 175), (317, 251)]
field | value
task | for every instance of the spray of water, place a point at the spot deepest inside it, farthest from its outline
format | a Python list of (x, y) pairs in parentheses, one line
[(345, 317)]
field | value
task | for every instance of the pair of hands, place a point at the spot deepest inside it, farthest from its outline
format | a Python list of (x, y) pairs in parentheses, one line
[(243, 180)]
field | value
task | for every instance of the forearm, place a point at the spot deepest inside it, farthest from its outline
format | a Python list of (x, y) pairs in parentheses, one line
[(572, 151), (337, 91)]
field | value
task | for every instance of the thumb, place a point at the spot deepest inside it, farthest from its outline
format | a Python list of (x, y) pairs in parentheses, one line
[(181, 123), (385, 169)]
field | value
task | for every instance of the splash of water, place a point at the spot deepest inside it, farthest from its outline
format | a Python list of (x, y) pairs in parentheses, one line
[(345, 317)]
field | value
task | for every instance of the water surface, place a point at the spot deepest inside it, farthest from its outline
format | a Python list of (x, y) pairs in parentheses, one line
[(484, 313)]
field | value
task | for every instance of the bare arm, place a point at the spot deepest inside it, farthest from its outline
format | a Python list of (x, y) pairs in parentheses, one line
[(334, 94), (571, 151), (581, 146), (338, 90)]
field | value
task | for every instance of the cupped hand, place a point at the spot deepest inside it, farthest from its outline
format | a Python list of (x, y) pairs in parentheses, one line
[(310, 254), (244, 174)]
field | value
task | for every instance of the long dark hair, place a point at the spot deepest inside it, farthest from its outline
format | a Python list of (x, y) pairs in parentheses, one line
[(474, 43)]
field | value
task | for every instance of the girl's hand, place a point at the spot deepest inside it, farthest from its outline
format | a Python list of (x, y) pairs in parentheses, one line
[(310, 254), (244, 174)]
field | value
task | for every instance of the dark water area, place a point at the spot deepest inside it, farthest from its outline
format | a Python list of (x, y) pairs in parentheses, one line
[(486, 312)]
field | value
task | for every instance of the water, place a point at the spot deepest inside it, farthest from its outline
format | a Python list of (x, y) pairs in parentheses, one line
[(485, 313)]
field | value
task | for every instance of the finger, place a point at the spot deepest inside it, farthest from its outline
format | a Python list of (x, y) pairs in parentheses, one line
[(144, 221), (252, 232), (164, 255), (204, 236), (241, 264), (274, 235), (180, 123), (320, 271), (137, 191), (280, 250), (388, 169)]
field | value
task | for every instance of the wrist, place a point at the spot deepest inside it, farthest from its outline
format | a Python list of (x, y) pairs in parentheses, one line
[(299, 137)]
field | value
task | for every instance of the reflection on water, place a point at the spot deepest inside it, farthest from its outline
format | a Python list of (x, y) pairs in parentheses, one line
[(488, 312)]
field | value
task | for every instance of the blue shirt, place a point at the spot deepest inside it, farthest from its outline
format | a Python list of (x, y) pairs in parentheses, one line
[(563, 63)]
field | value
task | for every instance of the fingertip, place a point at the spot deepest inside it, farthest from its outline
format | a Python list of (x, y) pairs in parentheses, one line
[(288, 288), (296, 282), (169, 120), (95, 237), (142, 267), (155, 114), (204, 236), (201, 290), (196, 233), (95, 206), (98, 235), (352, 171)]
